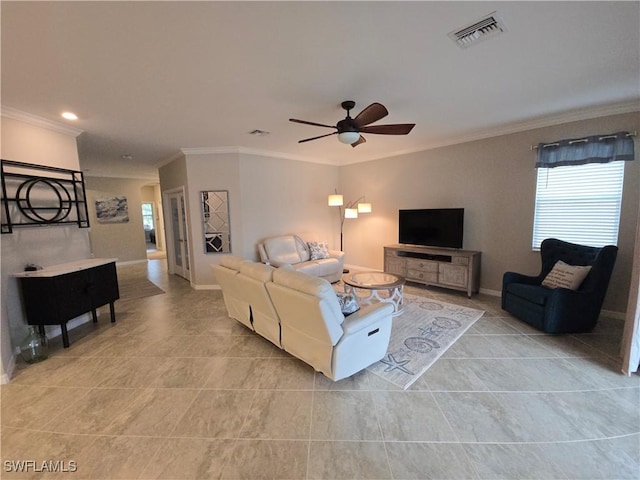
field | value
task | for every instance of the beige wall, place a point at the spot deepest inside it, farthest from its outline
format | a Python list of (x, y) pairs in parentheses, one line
[(147, 195), (494, 180), (40, 245), (284, 196), (212, 172), (123, 241)]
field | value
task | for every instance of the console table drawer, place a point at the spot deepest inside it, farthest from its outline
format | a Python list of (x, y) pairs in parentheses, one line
[(422, 275), (460, 260), (422, 265)]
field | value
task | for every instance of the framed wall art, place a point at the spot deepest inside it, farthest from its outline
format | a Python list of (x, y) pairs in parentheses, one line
[(112, 209), (215, 218)]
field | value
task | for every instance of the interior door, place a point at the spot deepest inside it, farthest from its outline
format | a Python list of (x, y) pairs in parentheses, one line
[(179, 248)]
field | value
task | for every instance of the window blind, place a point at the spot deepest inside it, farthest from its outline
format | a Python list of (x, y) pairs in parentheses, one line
[(579, 204)]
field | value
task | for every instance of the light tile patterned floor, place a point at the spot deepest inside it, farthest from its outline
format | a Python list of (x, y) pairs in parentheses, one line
[(177, 390)]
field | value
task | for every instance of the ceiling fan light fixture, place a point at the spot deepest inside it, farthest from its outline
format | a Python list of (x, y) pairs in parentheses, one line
[(348, 137)]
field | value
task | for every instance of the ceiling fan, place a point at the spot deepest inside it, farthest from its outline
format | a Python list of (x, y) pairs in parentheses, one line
[(349, 130)]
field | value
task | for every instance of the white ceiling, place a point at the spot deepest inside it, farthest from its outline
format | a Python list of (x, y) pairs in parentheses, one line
[(150, 78)]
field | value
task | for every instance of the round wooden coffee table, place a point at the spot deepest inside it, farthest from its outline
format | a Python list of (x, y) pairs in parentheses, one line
[(370, 287)]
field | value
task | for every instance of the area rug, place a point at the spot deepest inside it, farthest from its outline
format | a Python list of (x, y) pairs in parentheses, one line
[(420, 335), (131, 288)]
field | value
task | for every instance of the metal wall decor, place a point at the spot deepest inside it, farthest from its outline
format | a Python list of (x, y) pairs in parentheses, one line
[(39, 195), (215, 216)]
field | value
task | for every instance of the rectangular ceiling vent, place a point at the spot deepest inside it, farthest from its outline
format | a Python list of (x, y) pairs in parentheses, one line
[(487, 27)]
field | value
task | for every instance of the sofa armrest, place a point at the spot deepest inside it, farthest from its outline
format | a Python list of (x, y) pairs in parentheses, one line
[(513, 277), (336, 254), (366, 317)]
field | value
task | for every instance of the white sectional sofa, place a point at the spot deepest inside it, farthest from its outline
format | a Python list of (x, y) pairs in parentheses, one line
[(301, 314), (292, 250)]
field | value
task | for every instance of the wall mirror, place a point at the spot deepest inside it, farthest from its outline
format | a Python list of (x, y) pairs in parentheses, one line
[(215, 216)]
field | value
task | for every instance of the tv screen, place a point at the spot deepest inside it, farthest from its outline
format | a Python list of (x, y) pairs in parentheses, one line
[(432, 227)]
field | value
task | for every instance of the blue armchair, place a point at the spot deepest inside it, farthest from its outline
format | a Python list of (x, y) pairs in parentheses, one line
[(560, 310)]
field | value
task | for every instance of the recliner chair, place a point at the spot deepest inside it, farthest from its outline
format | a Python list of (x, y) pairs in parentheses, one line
[(315, 330), (227, 277), (561, 310)]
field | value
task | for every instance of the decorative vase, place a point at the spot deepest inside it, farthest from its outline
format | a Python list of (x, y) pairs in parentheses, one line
[(34, 348)]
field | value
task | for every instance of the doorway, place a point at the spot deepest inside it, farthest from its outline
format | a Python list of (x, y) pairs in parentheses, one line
[(177, 238), (149, 226)]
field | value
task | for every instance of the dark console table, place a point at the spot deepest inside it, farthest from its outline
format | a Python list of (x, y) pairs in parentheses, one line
[(59, 293)]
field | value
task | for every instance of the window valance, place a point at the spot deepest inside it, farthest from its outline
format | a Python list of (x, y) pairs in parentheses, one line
[(580, 151)]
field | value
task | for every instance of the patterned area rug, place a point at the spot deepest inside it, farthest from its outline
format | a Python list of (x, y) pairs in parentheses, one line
[(420, 335)]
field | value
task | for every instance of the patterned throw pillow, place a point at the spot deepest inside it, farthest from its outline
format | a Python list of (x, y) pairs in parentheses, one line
[(565, 276), (348, 303), (318, 250)]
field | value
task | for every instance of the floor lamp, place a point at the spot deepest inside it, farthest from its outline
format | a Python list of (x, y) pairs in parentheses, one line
[(351, 210)]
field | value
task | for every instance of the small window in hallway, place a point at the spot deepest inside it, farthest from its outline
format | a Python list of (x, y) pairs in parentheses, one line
[(149, 228)]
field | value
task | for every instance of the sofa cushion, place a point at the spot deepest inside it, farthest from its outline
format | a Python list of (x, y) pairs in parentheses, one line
[(532, 293), (232, 262), (312, 286), (308, 284), (282, 249), (318, 268), (257, 271), (566, 276), (318, 250)]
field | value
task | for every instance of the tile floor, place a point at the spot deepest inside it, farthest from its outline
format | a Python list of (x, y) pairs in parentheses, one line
[(177, 390)]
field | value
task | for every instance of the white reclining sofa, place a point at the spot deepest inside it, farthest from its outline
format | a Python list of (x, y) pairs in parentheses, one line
[(292, 250), (301, 314)]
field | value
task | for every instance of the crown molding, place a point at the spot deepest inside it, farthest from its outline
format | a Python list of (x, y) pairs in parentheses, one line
[(569, 116), (147, 178), (15, 114), (252, 151)]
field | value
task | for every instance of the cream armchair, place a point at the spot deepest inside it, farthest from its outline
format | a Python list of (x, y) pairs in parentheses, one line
[(314, 329), (292, 250)]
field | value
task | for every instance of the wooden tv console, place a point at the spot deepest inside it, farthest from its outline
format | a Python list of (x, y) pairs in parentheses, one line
[(441, 267)]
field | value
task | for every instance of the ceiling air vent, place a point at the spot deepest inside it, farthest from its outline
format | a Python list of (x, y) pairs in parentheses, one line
[(487, 27)]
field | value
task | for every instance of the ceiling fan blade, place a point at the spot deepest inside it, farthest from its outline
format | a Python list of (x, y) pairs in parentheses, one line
[(311, 123), (395, 129), (359, 141), (372, 113), (315, 138)]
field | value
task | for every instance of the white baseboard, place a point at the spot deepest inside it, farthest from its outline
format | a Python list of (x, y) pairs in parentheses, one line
[(493, 293), (132, 262), (614, 314), (359, 268)]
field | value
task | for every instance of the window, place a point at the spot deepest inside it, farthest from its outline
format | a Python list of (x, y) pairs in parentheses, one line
[(147, 216), (579, 204)]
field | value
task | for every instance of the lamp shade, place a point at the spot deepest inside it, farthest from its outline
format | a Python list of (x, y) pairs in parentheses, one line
[(350, 213), (335, 201), (348, 137), (364, 208)]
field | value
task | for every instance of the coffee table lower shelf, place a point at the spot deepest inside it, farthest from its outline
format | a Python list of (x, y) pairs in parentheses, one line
[(372, 287)]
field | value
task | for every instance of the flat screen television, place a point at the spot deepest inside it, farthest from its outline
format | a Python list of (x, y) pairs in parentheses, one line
[(431, 227)]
